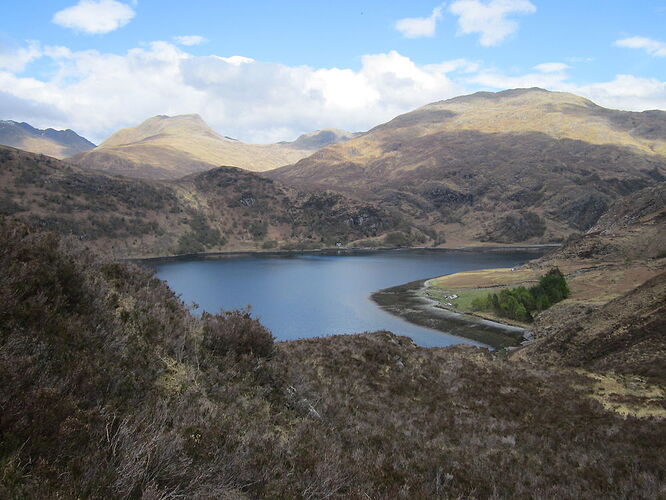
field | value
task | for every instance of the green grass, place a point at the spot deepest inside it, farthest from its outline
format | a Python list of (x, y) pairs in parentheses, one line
[(465, 297)]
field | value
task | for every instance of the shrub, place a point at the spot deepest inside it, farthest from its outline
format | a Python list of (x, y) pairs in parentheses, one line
[(236, 332), (397, 239)]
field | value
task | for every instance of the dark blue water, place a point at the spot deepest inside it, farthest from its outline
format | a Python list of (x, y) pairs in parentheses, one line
[(300, 296)]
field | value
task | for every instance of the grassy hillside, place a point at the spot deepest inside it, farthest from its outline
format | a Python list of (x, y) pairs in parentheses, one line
[(57, 143), (112, 390), (165, 147), (219, 210), (523, 165)]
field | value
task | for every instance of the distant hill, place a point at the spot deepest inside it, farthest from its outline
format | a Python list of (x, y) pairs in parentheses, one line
[(57, 143), (320, 139), (169, 147), (524, 165), (225, 208)]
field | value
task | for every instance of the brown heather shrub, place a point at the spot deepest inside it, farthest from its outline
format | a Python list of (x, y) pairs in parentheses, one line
[(109, 388), (237, 332)]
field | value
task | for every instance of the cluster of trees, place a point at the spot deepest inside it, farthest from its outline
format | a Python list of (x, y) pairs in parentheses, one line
[(521, 303)]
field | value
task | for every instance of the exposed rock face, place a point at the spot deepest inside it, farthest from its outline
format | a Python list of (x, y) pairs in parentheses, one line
[(465, 163), (634, 227)]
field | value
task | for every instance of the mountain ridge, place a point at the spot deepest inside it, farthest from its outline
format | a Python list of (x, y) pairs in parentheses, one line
[(57, 143), (169, 147), (529, 162)]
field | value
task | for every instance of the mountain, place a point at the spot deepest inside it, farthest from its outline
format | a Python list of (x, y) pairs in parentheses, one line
[(57, 143), (320, 139), (169, 147), (524, 165), (222, 209)]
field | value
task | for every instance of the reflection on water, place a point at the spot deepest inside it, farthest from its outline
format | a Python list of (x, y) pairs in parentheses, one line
[(299, 296)]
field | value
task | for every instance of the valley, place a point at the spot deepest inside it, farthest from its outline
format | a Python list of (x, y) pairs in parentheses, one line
[(115, 385)]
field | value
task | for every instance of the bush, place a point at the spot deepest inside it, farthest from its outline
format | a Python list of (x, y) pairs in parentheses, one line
[(236, 332), (397, 239), (519, 303)]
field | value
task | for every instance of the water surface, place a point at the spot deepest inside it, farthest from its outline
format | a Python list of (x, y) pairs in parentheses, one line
[(300, 296)]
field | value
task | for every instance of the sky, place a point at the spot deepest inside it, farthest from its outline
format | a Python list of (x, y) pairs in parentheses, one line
[(266, 71)]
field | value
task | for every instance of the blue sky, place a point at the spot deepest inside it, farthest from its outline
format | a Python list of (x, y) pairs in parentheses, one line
[(98, 65)]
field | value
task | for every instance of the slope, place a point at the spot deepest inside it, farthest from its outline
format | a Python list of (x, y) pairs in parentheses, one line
[(57, 143), (112, 389), (520, 165), (222, 209)]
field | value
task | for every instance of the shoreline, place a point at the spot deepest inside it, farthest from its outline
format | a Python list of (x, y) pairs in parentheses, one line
[(409, 303), (333, 251)]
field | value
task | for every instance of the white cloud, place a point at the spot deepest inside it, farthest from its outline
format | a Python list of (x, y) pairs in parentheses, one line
[(417, 27), (255, 101), (15, 59), (189, 40), (552, 67), (455, 66), (652, 47), (625, 92), (489, 19), (579, 59), (95, 16), (98, 93)]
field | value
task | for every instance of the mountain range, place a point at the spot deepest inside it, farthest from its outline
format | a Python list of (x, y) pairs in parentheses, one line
[(524, 165), (169, 147), (519, 166), (57, 143)]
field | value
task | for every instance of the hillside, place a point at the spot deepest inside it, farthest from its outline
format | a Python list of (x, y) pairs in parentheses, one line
[(112, 389), (634, 227), (57, 143), (523, 165), (223, 209), (626, 335), (165, 147)]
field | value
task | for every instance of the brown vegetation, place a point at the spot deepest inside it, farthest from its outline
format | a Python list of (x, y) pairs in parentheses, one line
[(111, 389), (221, 209)]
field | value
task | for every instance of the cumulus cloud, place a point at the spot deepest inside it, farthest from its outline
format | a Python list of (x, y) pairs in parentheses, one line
[(552, 67), (652, 47), (489, 19), (97, 93), (625, 92), (15, 59), (417, 27), (254, 101), (95, 16), (189, 40)]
